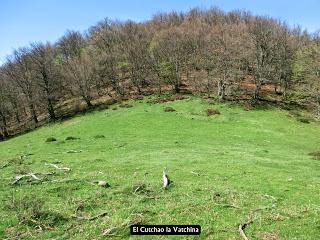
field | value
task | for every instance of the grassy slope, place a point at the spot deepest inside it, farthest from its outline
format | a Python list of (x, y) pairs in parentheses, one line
[(247, 159)]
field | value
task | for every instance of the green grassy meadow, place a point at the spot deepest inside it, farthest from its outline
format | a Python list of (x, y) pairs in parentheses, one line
[(227, 169)]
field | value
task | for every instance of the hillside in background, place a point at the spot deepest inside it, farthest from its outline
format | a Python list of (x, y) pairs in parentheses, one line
[(256, 166), (226, 55)]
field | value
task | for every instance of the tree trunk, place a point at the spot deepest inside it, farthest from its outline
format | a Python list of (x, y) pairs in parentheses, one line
[(33, 113), (5, 133), (109, 94), (285, 88), (4, 127), (88, 102), (139, 89), (115, 87), (208, 83), (318, 107), (177, 80), (101, 86), (51, 109), (221, 89), (25, 111), (16, 113), (257, 90), (159, 83), (177, 87), (159, 88)]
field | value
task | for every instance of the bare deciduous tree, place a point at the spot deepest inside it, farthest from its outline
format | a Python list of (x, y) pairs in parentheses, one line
[(79, 70), (201, 50), (43, 59), (19, 69)]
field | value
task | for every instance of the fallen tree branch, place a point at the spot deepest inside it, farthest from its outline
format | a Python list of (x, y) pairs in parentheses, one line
[(126, 223), (33, 176), (241, 230), (139, 187), (30, 175), (74, 151), (227, 206), (91, 218), (263, 208), (195, 173), (108, 232), (4, 165), (40, 225), (19, 177), (98, 216), (57, 167), (242, 227)]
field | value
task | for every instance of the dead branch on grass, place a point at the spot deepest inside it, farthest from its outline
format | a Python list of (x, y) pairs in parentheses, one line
[(241, 230), (227, 206), (108, 232), (57, 167), (244, 225), (137, 219), (30, 175), (103, 214), (41, 226), (195, 173), (4, 165)]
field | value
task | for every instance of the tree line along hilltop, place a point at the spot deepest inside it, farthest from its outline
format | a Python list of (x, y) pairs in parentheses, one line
[(226, 55)]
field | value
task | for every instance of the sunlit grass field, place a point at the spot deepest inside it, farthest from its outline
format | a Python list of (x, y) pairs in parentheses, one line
[(237, 167)]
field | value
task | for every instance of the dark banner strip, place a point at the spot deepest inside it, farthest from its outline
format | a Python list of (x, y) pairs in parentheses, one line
[(165, 229)]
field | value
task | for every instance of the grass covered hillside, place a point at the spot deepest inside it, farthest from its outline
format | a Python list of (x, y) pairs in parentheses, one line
[(228, 169)]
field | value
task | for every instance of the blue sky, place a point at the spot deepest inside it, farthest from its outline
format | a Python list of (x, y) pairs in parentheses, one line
[(26, 21)]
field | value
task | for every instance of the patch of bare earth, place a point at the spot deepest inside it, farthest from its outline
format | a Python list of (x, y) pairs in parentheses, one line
[(267, 236)]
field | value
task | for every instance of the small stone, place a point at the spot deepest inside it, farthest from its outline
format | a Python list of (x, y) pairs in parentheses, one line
[(103, 184)]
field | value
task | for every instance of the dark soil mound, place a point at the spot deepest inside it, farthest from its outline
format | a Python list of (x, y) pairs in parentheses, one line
[(169, 109), (71, 138), (51, 139), (99, 136), (211, 112), (315, 155)]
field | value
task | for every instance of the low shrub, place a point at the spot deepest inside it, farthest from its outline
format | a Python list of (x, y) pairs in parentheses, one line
[(110, 101), (99, 136), (294, 114), (31, 210), (124, 98), (211, 112), (51, 139), (138, 97), (315, 155), (102, 107), (211, 101), (125, 105), (169, 109), (304, 120), (168, 99), (248, 106), (71, 138)]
